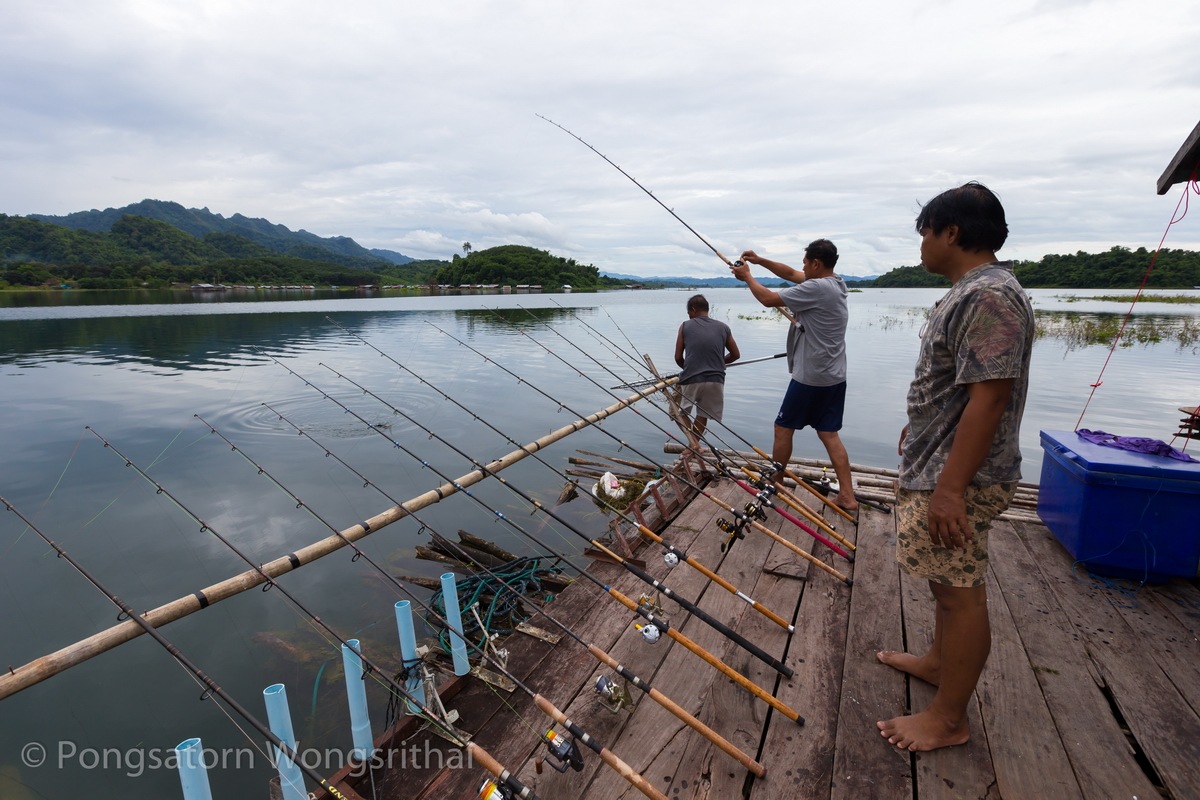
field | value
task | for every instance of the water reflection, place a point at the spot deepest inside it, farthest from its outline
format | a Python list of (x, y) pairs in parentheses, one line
[(169, 343)]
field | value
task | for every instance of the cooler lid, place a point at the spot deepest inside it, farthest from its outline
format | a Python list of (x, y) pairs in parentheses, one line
[(1101, 458)]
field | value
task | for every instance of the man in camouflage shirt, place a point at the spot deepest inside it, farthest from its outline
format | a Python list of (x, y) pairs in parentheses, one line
[(960, 452)]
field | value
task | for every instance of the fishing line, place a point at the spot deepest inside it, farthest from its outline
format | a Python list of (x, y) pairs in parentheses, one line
[(653, 197)]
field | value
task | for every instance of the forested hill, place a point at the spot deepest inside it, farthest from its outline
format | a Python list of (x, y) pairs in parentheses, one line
[(513, 264), (1116, 268), (200, 222)]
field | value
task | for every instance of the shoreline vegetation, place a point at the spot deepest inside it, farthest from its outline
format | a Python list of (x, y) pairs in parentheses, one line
[(172, 247)]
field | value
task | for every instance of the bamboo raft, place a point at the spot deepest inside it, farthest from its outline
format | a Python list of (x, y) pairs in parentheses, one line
[(1092, 689)]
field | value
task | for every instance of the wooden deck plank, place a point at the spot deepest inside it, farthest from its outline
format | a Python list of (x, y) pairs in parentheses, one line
[(1165, 728), (865, 765), (1066, 678), (799, 758), (1027, 753)]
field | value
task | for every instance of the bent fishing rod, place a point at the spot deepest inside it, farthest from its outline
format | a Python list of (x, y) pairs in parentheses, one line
[(471, 748), (699, 489), (211, 686), (661, 624), (546, 706), (651, 194), (658, 585), (671, 549), (600, 655)]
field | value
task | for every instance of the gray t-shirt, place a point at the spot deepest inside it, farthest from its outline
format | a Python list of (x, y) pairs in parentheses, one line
[(704, 341), (819, 306), (981, 330)]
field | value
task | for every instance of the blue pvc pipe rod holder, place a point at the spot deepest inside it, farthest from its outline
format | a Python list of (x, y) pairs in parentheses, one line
[(193, 775), (280, 719), (408, 653), (458, 645), (356, 696)]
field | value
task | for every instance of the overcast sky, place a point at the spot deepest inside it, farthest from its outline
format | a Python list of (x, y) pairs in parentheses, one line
[(413, 126)]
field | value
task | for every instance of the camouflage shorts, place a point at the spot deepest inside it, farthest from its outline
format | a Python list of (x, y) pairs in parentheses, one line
[(917, 554)]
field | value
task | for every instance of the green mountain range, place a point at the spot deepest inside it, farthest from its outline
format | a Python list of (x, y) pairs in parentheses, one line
[(200, 222)]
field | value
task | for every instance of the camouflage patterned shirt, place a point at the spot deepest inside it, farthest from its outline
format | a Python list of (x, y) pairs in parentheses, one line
[(981, 330)]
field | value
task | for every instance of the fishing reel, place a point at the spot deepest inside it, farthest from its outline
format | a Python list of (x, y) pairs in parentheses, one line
[(671, 559), (652, 605), (736, 530), (650, 633), (614, 694), (494, 790), (563, 753), (754, 511)]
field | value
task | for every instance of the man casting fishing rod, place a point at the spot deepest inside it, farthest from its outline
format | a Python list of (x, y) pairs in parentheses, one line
[(816, 348)]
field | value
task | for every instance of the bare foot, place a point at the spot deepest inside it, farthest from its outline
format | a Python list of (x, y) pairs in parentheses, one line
[(847, 503), (917, 666), (924, 731)]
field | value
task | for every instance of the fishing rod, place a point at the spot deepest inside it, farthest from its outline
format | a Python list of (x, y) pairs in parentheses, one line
[(500, 772), (699, 489), (675, 375), (760, 482), (662, 625), (653, 197), (671, 550), (541, 702), (211, 686), (599, 654), (658, 585)]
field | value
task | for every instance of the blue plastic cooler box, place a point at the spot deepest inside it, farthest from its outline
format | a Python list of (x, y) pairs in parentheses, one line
[(1121, 513)]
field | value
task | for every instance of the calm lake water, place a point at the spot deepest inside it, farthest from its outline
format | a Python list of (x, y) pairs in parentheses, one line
[(139, 376)]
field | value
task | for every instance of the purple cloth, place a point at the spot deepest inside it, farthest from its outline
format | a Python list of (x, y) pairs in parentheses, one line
[(1137, 444)]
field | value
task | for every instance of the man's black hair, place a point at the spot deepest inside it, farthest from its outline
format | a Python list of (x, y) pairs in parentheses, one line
[(824, 251), (697, 302), (976, 211)]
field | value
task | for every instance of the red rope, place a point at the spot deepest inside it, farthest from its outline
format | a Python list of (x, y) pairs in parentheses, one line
[(1192, 185)]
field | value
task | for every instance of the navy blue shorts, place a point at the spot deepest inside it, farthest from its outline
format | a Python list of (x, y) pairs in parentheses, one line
[(818, 406)]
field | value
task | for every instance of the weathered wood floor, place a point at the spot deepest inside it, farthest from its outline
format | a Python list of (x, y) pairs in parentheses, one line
[(1090, 692)]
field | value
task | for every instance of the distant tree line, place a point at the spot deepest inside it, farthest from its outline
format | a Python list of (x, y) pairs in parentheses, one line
[(1116, 268)]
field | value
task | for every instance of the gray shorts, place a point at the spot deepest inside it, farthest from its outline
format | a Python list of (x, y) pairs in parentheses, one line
[(708, 398)]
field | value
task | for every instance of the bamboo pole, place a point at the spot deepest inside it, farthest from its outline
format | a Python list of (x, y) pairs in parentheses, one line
[(19, 678)]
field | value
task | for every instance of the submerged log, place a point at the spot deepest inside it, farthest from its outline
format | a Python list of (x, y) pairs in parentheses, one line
[(479, 543)]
